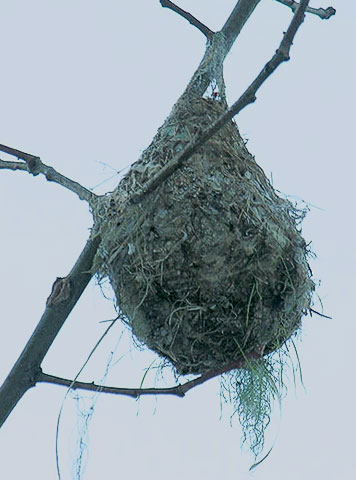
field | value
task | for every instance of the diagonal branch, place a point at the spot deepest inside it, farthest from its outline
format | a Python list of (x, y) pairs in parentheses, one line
[(192, 20), (323, 13), (65, 294), (249, 96), (35, 166)]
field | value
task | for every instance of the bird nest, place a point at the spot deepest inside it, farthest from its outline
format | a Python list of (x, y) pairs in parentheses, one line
[(211, 266)]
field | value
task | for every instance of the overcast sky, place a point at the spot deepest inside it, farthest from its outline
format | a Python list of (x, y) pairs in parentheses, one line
[(85, 85)]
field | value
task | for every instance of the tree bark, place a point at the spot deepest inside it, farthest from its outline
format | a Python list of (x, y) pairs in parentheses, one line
[(60, 303)]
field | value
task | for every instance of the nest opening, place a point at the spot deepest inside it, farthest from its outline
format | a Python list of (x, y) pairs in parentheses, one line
[(211, 266)]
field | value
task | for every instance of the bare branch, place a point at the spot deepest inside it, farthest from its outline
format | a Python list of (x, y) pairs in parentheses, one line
[(34, 166), (239, 16), (217, 49), (131, 392), (178, 390), (281, 55), (26, 370), (13, 165), (192, 20), (17, 153), (323, 13), (249, 96)]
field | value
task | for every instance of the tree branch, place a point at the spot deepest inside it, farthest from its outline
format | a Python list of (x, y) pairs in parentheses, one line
[(239, 16), (192, 20), (34, 166), (323, 13), (217, 49), (130, 392), (249, 96), (178, 390), (26, 370)]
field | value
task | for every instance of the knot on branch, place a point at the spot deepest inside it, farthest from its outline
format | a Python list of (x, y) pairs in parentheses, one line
[(34, 165), (61, 291)]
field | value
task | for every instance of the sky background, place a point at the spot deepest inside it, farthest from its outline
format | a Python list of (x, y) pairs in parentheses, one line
[(85, 85)]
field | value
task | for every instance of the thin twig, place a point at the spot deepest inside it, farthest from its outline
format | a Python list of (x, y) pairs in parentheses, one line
[(249, 96), (192, 20), (7, 165), (178, 390), (323, 13), (131, 392), (35, 166), (320, 314)]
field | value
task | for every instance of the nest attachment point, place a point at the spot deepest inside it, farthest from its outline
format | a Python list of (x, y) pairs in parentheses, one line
[(211, 266)]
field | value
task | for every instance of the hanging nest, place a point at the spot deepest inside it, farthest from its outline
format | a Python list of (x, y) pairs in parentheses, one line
[(211, 266)]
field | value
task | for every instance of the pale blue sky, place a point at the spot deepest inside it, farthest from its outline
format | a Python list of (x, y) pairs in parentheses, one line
[(88, 83)]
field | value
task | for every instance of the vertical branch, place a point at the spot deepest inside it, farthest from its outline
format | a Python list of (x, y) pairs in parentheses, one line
[(239, 16), (218, 47)]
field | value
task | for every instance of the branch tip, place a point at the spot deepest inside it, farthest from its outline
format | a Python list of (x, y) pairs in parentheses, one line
[(191, 19), (323, 13)]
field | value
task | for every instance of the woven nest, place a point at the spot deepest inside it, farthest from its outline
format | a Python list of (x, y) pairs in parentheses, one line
[(211, 266)]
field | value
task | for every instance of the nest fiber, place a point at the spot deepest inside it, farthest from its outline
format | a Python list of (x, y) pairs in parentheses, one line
[(211, 265)]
